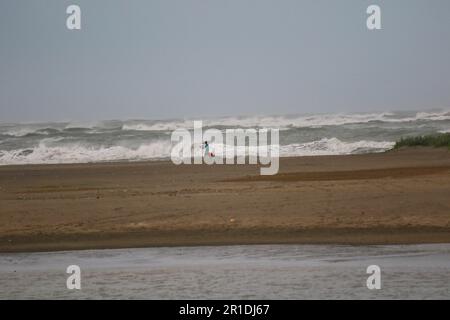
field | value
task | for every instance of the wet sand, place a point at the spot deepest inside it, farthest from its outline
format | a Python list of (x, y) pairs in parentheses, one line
[(389, 198)]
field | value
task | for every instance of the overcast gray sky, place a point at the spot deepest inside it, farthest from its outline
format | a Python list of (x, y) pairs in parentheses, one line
[(190, 58)]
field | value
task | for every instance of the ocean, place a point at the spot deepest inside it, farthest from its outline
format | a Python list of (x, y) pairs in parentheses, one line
[(133, 140), (232, 272)]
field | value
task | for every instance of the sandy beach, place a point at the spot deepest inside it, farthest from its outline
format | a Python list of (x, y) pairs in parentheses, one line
[(395, 197)]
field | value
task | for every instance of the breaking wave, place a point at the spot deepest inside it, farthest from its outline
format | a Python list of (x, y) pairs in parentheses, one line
[(84, 154), (44, 153)]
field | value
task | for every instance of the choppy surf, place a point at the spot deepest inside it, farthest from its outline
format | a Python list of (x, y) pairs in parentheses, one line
[(133, 140)]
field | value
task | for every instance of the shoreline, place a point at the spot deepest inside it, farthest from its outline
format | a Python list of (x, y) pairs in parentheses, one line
[(191, 238), (395, 197)]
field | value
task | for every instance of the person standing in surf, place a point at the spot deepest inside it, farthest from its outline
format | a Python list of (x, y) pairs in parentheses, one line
[(206, 147)]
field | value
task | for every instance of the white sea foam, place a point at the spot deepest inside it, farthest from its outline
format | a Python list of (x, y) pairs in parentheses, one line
[(48, 153), (334, 146)]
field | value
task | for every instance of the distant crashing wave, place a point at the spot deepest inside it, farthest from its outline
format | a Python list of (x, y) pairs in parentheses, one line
[(286, 122), (281, 122)]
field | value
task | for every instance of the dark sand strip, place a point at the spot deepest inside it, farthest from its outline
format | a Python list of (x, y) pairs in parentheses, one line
[(238, 236), (347, 175)]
